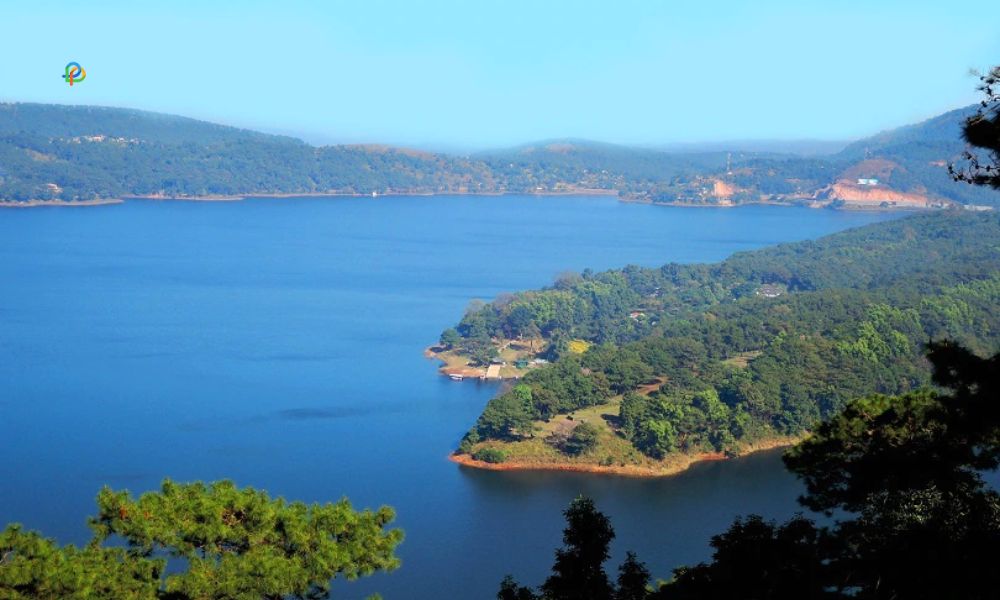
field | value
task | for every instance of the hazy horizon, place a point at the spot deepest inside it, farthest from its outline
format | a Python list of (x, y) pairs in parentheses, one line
[(447, 75), (801, 146)]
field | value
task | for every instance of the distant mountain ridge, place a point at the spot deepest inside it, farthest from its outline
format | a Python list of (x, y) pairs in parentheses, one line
[(76, 153), (944, 130), (800, 147), (54, 120)]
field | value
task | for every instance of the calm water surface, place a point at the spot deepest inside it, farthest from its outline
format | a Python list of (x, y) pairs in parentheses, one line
[(278, 343)]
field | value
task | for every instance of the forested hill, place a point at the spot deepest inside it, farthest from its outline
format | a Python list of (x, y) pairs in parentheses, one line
[(60, 121), (940, 132), (711, 358), (565, 164), (902, 167), (69, 153), (82, 153)]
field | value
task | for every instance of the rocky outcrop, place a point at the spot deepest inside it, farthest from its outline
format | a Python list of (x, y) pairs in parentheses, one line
[(878, 195), (722, 190)]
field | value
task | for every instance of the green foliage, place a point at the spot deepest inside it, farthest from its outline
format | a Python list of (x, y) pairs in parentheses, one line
[(480, 350), (490, 455), (982, 131), (882, 444), (543, 392), (656, 437), (36, 568), (859, 307), (915, 518), (904, 474), (234, 543), (756, 559), (623, 368), (507, 416), (877, 256), (633, 579), (887, 333), (510, 590), (685, 421), (466, 445), (80, 153), (633, 409), (89, 152), (581, 440), (578, 571), (450, 338)]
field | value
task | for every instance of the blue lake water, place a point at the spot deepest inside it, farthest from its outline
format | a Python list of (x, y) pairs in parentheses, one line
[(278, 343)]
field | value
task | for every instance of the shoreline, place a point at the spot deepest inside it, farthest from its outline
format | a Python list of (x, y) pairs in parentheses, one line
[(448, 370), (287, 195), (81, 203), (306, 195), (682, 462), (847, 207)]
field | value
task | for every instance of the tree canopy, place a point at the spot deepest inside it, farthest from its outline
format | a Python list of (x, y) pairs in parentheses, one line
[(903, 475), (72, 153), (721, 365), (982, 132), (234, 543), (578, 571)]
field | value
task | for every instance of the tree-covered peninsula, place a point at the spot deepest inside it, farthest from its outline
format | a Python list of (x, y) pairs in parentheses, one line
[(650, 369), (901, 481)]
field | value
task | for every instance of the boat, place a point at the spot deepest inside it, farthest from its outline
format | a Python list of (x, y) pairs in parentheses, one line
[(456, 376)]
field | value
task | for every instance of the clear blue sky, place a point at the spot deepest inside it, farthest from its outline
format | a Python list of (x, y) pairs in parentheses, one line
[(483, 72)]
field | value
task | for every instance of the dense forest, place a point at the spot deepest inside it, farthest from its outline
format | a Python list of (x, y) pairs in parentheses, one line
[(68, 153), (703, 358), (900, 480), (84, 153)]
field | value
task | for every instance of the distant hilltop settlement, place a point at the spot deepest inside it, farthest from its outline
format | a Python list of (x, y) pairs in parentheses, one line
[(868, 184)]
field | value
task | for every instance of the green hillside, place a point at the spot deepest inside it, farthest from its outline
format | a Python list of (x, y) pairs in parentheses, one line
[(911, 160), (71, 153), (687, 359), (588, 164), (82, 153)]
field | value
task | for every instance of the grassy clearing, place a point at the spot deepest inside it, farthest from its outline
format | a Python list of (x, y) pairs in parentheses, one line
[(612, 453), (611, 449), (742, 360), (599, 415), (454, 363)]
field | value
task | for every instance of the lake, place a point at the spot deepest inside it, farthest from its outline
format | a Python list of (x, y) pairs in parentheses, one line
[(279, 343)]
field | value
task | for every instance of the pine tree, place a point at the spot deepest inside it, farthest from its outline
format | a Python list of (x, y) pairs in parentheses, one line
[(578, 572), (633, 579)]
